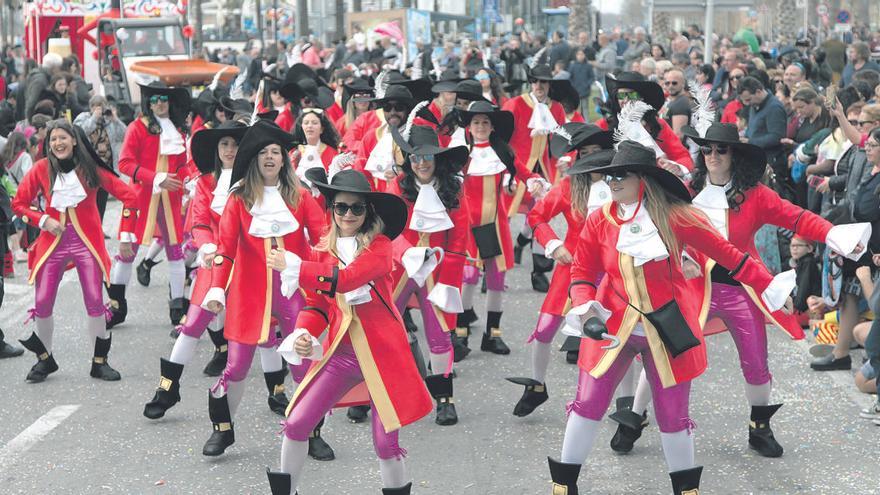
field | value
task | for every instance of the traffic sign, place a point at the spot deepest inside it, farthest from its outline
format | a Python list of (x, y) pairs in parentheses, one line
[(822, 9), (843, 17)]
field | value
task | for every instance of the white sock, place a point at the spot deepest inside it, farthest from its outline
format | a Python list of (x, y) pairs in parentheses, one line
[(540, 359), (184, 349), (759, 395), (154, 250), (580, 434), (643, 394), (120, 273), (176, 278), (537, 248), (393, 472), (270, 359), (293, 458), (439, 362), (219, 321), (678, 448), (97, 326), (627, 386), (234, 393), (467, 295), (45, 330), (526, 231), (493, 300)]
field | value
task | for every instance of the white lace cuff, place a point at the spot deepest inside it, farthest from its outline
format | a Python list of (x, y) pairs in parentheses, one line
[(420, 262), (360, 295), (843, 239), (290, 275), (206, 248), (214, 294), (575, 318), (127, 237), (43, 220), (775, 295), (551, 246), (545, 186), (157, 182), (447, 298), (287, 351)]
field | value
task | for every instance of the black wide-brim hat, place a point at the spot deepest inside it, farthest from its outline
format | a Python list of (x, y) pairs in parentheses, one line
[(423, 140), (395, 92), (447, 82), (357, 87), (299, 81), (470, 90), (258, 136), (631, 156), (651, 92), (204, 143), (234, 107), (420, 89), (179, 99), (207, 102), (563, 91), (541, 72), (581, 135), (502, 120), (591, 162), (389, 207), (719, 133), (321, 96)]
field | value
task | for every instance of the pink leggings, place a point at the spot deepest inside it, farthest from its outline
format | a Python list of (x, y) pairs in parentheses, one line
[(173, 252), (339, 375), (438, 340), (71, 249), (746, 324), (670, 404), (546, 328), (494, 278)]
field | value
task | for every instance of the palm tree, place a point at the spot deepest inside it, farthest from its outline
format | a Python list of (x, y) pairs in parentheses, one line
[(579, 18)]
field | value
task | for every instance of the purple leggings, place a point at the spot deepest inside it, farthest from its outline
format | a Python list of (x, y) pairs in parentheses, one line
[(546, 328), (494, 278), (438, 340), (71, 249), (241, 355), (340, 374), (173, 252), (670, 404), (746, 324)]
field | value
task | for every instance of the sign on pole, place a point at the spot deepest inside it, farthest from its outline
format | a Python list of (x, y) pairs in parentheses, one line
[(843, 17)]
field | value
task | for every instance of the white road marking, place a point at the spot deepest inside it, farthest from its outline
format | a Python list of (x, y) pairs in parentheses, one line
[(34, 433)]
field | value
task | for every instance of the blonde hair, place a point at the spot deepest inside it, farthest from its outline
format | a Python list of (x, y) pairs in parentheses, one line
[(872, 111), (373, 226), (251, 190), (667, 211), (580, 193)]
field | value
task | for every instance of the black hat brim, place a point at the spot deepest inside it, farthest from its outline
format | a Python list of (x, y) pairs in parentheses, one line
[(502, 121), (453, 159), (591, 162), (581, 135), (257, 137), (178, 98), (419, 88), (667, 180), (204, 145), (447, 86), (754, 155), (651, 92)]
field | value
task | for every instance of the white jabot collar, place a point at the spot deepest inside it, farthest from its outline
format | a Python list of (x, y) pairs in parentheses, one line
[(542, 120), (458, 138), (600, 194), (271, 216), (221, 191), (484, 161), (639, 237), (346, 248), (68, 191), (712, 201), (309, 158), (170, 140), (429, 213), (382, 156)]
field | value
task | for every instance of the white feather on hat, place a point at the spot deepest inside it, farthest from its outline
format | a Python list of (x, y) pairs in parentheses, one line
[(629, 126)]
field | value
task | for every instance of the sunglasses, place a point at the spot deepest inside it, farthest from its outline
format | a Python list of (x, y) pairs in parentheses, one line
[(482, 77), (629, 95), (870, 145), (421, 158), (158, 98), (316, 111), (735, 78), (395, 107), (670, 83), (867, 122), (853, 122), (357, 209), (721, 149), (616, 176)]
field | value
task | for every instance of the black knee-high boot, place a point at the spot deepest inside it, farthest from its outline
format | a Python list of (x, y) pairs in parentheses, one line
[(279, 483), (223, 435), (168, 392), (100, 368), (541, 265), (686, 481), (143, 271), (440, 388), (221, 351), (275, 384), (45, 365), (564, 476), (118, 304), (630, 425)]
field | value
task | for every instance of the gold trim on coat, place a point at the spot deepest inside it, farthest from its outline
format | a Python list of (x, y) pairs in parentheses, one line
[(62, 219)]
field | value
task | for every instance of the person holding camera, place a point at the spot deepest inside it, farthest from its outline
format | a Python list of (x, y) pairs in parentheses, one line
[(106, 133)]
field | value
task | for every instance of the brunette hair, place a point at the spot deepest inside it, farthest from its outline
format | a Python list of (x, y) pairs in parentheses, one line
[(329, 136), (448, 184), (86, 165), (743, 176), (251, 189)]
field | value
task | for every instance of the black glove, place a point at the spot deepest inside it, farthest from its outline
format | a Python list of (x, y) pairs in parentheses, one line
[(594, 327)]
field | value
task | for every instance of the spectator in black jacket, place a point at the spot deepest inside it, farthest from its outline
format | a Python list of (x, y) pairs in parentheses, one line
[(38, 81), (767, 124)]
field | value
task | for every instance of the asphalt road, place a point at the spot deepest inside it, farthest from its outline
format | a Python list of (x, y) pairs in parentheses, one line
[(75, 435)]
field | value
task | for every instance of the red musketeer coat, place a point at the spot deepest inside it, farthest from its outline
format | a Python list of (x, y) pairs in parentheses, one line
[(84, 217), (374, 329), (648, 287)]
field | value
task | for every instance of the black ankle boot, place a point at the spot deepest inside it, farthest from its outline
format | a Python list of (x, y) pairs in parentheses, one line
[(564, 476), (686, 481), (403, 490), (320, 450), (46, 364), (277, 398), (357, 414), (279, 483), (221, 351), (224, 434), (533, 396), (467, 318), (521, 242), (492, 337), (118, 304), (100, 368), (541, 265), (440, 388), (459, 337), (8, 351), (760, 435), (168, 392), (630, 425), (177, 309), (143, 271), (571, 346)]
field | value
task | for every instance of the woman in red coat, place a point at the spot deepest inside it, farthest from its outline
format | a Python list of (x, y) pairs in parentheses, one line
[(348, 285), (574, 197), (266, 209), (68, 178), (438, 224), (728, 190), (492, 170), (355, 102), (318, 139)]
